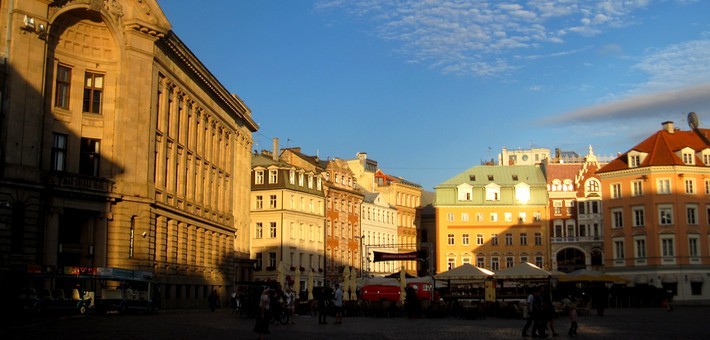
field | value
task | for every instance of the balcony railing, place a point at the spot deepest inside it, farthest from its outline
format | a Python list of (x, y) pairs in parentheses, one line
[(574, 239), (71, 181)]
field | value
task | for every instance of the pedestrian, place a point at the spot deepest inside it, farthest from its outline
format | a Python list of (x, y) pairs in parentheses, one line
[(572, 312), (338, 303), (213, 300), (322, 306), (291, 304), (548, 310), (538, 314), (262, 318), (528, 315)]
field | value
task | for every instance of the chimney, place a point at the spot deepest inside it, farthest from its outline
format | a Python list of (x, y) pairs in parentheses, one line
[(668, 126), (275, 151)]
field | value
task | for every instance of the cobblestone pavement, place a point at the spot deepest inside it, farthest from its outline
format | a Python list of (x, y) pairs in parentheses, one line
[(682, 323)]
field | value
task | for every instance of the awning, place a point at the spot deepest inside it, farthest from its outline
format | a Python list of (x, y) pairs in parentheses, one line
[(669, 278), (696, 278)]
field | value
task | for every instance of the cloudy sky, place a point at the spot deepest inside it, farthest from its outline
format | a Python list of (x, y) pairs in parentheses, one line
[(430, 88)]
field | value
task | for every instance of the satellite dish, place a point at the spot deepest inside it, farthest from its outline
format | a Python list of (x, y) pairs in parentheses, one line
[(693, 120)]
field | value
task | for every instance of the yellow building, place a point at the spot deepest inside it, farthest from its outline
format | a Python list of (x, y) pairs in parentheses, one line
[(119, 149), (492, 217)]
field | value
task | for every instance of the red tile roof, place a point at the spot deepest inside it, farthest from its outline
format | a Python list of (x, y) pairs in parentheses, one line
[(562, 171), (661, 148)]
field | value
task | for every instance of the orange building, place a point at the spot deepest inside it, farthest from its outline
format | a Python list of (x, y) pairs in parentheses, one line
[(657, 212)]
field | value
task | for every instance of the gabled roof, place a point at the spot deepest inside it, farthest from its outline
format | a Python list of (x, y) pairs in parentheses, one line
[(661, 148), (562, 171)]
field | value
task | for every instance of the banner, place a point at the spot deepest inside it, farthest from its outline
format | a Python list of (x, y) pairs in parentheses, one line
[(413, 256)]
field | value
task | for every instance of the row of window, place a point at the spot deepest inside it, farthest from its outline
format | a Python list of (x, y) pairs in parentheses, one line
[(314, 206), (663, 186), (493, 217), (494, 261), (89, 154), (271, 261), (93, 90), (665, 215), (273, 178), (492, 192), (300, 231), (339, 229), (480, 240), (667, 248)]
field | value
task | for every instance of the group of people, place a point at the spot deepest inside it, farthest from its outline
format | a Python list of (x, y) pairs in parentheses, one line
[(540, 314)]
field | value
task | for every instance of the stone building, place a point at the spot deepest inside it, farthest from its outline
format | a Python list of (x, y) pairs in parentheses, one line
[(119, 149)]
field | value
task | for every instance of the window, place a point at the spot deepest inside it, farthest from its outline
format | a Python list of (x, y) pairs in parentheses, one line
[(259, 261), (688, 158), (89, 157), (450, 217), (93, 89), (494, 217), (259, 177), (639, 216), (464, 217), (272, 229), (63, 84), (479, 217), (494, 239), (693, 248), (538, 261), (272, 259), (617, 218), (616, 190), (492, 192), (450, 263), (479, 239), (292, 176), (538, 239), (480, 261), (537, 216), (592, 186), (619, 249), (692, 214), (707, 186), (634, 161), (664, 185), (310, 181), (523, 239), (272, 201), (495, 263), (508, 239), (690, 186), (637, 188), (665, 215), (508, 261), (522, 217), (667, 246), (508, 216), (451, 239), (273, 176), (59, 152), (640, 248), (259, 230), (259, 202), (464, 239)]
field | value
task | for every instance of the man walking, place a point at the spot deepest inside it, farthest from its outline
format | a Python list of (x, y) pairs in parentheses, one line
[(338, 303)]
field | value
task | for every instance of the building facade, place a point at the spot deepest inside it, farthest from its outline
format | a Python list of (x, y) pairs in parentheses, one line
[(287, 214), (657, 213), (492, 217), (379, 234), (575, 210), (119, 149)]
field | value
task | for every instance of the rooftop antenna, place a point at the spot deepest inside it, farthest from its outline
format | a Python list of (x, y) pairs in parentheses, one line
[(694, 122)]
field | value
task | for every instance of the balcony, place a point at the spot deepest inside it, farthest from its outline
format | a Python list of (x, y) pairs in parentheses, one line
[(79, 183), (576, 239)]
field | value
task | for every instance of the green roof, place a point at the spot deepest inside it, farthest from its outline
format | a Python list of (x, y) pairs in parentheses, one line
[(505, 176)]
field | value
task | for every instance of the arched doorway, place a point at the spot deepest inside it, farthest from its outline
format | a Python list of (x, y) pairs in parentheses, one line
[(570, 259)]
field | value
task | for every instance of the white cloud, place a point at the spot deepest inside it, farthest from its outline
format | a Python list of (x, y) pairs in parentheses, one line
[(476, 37)]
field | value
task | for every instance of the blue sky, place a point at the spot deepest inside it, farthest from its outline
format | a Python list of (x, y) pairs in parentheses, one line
[(431, 88)]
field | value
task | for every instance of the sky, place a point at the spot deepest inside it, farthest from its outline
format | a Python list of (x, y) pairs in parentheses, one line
[(430, 88)]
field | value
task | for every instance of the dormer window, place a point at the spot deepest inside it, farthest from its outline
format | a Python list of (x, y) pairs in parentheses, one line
[(634, 161), (465, 192), (492, 192), (490, 177), (472, 177), (705, 156), (688, 156), (515, 177)]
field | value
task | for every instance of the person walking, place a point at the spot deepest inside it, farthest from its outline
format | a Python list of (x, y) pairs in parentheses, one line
[(322, 306), (338, 303), (262, 318), (213, 300), (528, 314), (548, 310), (291, 304), (572, 312)]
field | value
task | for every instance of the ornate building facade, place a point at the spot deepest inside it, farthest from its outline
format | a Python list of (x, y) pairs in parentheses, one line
[(119, 149)]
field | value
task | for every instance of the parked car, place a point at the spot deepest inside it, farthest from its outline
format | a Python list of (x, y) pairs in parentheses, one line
[(57, 301)]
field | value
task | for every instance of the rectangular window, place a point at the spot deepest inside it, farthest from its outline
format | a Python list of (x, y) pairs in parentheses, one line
[(259, 230), (63, 85), (508, 239), (272, 201), (450, 217), (667, 247), (617, 218), (272, 260), (508, 216), (464, 217), (272, 229), (480, 262), (59, 152), (664, 185), (634, 161), (494, 239), (523, 239), (619, 249), (259, 261), (707, 186), (637, 188), (259, 202), (538, 239), (89, 157), (692, 214), (693, 248), (450, 263), (259, 177), (479, 217), (639, 216), (273, 176), (451, 239), (690, 186), (495, 263), (665, 215), (522, 217), (640, 245), (465, 239), (509, 261), (479, 239), (494, 217), (616, 190), (93, 90), (538, 261)]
